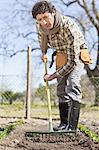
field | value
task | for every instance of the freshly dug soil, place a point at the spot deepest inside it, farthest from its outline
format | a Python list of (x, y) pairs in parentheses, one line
[(17, 140)]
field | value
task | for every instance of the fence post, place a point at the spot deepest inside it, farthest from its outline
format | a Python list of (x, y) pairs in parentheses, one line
[(28, 86)]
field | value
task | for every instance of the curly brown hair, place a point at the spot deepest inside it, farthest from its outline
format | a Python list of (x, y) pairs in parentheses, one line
[(41, 7)]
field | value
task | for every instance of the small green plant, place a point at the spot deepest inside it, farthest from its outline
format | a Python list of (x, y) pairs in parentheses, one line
[(89, 133), (10, 128)]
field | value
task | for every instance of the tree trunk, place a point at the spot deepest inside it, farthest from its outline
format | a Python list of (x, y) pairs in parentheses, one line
[(94, 75), (10, 101), (98, 51), (95, 71)]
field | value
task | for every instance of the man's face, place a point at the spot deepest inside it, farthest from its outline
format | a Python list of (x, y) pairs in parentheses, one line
[(46, 20)]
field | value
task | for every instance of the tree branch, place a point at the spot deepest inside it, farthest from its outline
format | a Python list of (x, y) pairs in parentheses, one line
[(95, 10), (69, 3), (21, 51), (79, 3), (89, 15), (28, 34)]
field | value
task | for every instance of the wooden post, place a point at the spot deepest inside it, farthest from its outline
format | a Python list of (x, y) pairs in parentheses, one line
[(28, 86)]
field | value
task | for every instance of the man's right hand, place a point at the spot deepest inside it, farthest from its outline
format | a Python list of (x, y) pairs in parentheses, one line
[(44, 57)]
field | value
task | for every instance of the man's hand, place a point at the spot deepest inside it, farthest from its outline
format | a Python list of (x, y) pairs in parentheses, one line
[(44, 57), (48, 77), (85, 56)]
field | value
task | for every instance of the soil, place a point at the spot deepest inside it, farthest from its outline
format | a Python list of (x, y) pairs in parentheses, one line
[(17, 140)]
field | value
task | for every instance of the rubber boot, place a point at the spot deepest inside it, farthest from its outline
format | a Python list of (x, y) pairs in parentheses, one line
[(73, 115), (63, 111)]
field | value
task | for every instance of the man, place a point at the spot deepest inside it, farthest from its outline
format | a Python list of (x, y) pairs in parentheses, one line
[(61, 33)]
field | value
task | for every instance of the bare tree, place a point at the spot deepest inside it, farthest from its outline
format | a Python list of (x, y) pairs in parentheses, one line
[(18, 25), (17, 28)]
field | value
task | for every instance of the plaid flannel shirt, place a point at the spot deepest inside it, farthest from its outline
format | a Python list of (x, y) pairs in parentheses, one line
[(68, 39)]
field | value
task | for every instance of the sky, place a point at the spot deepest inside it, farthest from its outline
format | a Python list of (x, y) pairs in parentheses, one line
[(15, 24)]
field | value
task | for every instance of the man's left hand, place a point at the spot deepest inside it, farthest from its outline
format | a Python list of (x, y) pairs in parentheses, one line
[(48, 77)]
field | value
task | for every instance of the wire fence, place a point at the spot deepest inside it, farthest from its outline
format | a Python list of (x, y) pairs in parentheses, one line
[(13, 96), (13, 92)]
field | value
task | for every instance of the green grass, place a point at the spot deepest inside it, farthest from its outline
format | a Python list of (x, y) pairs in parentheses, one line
[(17, 109)]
